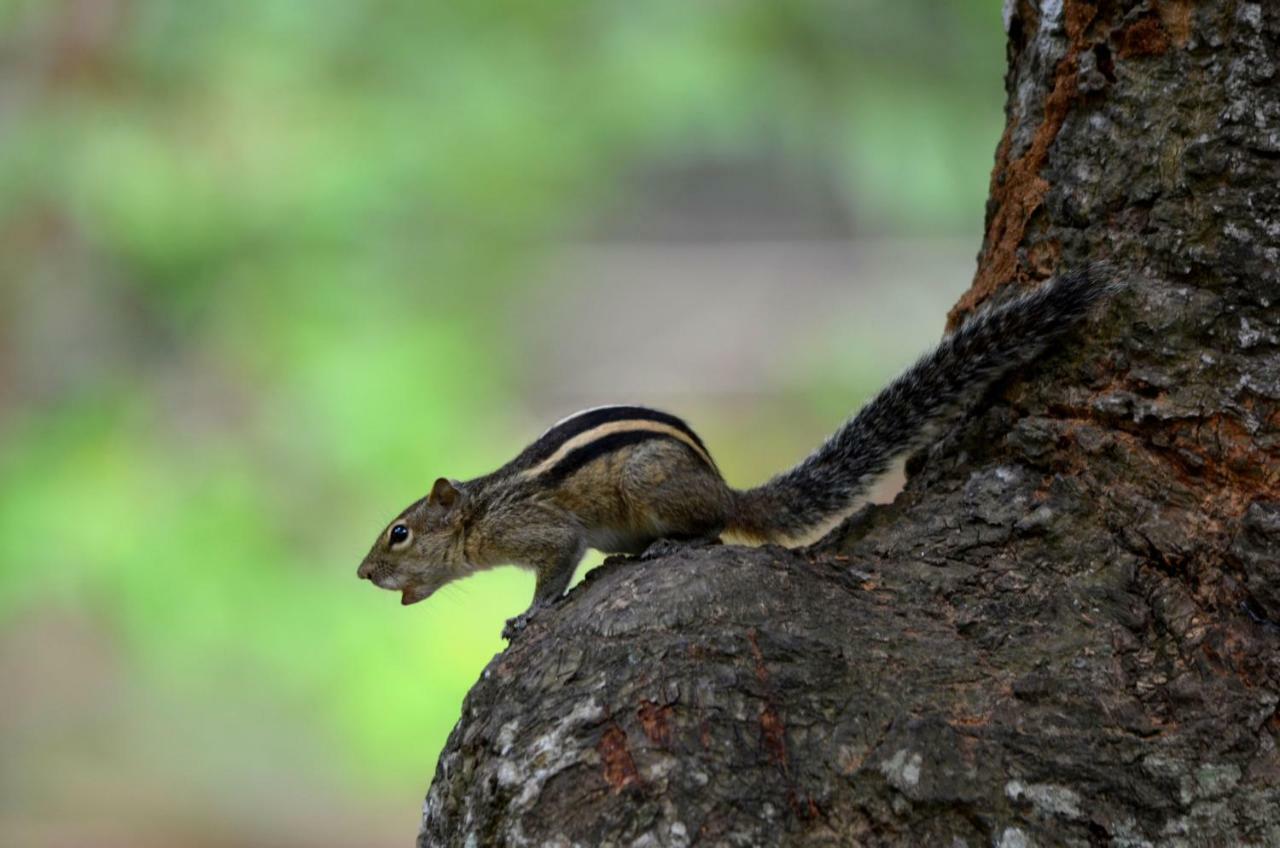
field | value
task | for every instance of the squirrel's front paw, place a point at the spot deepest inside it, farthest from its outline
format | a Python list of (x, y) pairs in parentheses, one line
[(521, 621), (517, 624)]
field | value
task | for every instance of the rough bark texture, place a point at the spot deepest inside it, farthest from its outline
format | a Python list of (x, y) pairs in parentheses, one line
[(1064, 631)]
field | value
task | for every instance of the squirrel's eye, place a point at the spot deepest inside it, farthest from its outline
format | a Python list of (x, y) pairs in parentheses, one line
[(399, 533)]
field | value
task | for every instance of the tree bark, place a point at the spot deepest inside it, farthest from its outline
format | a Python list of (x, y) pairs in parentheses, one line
[(1064, 630)]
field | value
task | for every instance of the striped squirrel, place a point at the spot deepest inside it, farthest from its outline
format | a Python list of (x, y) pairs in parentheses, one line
[(626, 479)]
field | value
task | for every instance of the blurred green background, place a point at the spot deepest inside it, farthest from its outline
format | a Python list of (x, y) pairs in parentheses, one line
[(268, 268)]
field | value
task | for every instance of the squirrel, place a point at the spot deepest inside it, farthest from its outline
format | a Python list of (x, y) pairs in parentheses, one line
[(631, 480)]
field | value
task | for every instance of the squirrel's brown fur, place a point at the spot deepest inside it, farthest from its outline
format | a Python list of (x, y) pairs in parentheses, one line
[(620, 478)]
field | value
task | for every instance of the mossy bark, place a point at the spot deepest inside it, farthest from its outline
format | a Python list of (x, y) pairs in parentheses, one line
[(1064, 631)]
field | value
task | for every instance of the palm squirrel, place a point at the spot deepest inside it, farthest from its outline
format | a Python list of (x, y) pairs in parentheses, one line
[(621, 478)]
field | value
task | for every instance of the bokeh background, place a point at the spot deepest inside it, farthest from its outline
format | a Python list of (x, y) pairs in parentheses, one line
[(268, 268)]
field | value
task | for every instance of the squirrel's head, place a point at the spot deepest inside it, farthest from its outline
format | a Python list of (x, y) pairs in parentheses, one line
[(420, 550)]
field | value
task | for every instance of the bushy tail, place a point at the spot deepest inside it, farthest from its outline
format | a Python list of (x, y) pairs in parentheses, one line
[(991, 342)]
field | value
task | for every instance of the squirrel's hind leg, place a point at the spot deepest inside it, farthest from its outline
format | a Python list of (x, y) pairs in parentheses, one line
[(673, 497)]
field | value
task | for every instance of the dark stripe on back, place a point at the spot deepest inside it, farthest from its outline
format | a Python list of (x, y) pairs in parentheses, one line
[(597, 448), (551, 441)]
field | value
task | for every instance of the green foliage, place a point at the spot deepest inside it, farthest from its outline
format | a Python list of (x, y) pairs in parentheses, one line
[(281, 228)]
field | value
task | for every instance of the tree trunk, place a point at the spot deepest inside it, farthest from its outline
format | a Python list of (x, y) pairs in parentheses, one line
[(1064, 631)]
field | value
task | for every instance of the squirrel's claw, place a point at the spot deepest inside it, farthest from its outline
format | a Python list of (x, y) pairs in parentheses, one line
[(515, 625)]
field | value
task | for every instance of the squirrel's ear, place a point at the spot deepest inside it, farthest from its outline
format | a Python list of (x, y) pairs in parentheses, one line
[(444, 493)]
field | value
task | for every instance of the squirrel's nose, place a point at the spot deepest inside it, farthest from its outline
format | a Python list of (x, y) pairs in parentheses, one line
[(365, 571)]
